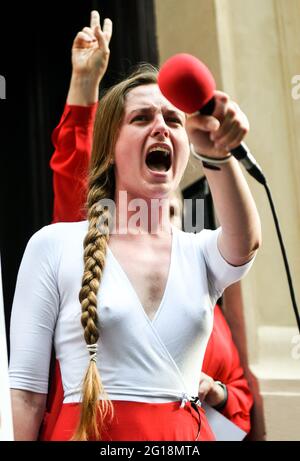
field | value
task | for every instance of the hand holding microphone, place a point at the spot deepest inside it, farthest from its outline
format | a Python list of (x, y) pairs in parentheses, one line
[(219, 125), (220, 132)]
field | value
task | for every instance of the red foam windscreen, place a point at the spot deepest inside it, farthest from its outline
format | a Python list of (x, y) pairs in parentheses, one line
[(186, 82)]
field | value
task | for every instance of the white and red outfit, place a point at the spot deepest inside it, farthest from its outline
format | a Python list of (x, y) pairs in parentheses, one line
[(142, 361), (148, 367)]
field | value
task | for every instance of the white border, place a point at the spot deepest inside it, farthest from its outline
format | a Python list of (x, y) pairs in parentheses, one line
[(6, 425)]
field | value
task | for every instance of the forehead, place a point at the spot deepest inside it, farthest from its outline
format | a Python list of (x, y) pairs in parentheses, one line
[(148, 95)]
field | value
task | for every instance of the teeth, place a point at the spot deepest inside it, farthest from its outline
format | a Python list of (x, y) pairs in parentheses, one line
[(161, 149)]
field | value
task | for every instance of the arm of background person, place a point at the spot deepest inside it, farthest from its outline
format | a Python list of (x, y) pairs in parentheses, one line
[(222, 363), (72, 138), (234, 314), (72, 141)]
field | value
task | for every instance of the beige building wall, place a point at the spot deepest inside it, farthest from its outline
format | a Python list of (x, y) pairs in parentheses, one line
[(253, 49)]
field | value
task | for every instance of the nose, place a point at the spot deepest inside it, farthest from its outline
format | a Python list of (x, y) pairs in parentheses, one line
[(160, 128)]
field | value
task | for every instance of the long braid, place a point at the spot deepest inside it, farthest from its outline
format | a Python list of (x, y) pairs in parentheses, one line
[(94, 412)]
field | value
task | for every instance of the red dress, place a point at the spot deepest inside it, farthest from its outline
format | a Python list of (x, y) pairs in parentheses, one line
[(72, 139), (222, 363)]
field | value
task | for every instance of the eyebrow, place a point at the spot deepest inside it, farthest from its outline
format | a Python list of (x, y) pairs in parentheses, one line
[(151, 109)]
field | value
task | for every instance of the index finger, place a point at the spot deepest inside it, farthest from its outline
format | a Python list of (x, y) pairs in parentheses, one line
[(95, 19), (107, 29), (203, 122), (221, 105)]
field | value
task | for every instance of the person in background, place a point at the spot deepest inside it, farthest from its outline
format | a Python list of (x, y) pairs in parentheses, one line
[(233, 310), (140, 89)]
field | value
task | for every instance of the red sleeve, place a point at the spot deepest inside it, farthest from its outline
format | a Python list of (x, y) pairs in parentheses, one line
[(222, 363), (72, 140)]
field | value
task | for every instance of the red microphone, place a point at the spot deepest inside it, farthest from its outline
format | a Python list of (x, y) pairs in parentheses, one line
[(189, 85)]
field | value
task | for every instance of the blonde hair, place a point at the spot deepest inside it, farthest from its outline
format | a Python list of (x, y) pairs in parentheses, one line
[(101, 185)]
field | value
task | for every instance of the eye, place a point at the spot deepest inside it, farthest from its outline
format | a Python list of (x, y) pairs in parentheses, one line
[(173, 120), (140, 118)]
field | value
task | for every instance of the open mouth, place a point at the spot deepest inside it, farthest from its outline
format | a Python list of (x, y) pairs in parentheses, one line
[(158, 159)]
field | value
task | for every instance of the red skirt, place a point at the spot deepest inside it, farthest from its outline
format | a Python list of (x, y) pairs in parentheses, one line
[(136, 421)]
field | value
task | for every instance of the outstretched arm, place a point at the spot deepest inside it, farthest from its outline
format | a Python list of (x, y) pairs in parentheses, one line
[(72, 138), (214, 136)]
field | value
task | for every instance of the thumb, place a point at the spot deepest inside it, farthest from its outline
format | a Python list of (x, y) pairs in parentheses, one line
[(203, 390)]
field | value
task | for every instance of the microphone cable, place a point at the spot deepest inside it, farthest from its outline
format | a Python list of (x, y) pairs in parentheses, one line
[(255, 171), (282, 247)]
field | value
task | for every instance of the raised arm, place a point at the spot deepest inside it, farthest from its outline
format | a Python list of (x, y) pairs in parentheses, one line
[(90, 55), (214, 136), (72, 138)]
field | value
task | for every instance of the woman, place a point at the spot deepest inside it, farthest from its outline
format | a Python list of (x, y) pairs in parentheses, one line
[(149, 372)]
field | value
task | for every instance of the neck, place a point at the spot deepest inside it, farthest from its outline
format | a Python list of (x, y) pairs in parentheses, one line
[(141, 215)]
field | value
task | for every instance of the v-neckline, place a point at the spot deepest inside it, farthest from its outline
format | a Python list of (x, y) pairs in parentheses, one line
[(133, 290)]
